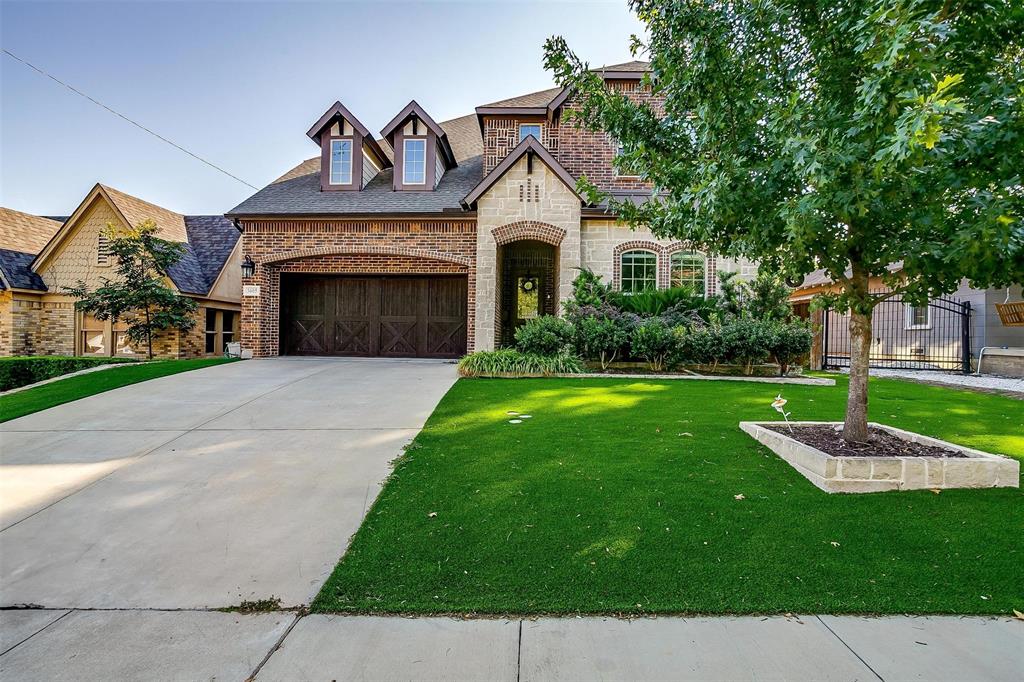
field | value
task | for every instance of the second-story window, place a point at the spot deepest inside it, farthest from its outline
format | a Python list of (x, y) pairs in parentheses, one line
[(527, 129), (341, 162), (414, 162)]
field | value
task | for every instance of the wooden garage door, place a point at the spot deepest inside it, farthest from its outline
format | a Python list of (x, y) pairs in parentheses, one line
[(369, 316)]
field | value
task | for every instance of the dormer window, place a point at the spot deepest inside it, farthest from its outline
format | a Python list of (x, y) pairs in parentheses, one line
[(349, 156), (527, 129), (422, 151), (414, 157), (341, 162)]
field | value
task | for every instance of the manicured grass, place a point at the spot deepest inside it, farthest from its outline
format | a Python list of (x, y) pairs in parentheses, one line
[(64, 391), (618, 496)]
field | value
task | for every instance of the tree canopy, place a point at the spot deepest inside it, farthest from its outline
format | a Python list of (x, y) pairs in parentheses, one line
[(846, 135)]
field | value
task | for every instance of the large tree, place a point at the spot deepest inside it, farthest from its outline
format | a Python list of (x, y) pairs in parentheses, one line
[(839, 134), (140, 294)]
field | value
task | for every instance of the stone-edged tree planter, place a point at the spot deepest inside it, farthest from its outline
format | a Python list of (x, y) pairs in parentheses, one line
[(972, 469)]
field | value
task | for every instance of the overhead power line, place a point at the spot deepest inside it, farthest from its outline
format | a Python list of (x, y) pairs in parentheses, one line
[(122, 116)]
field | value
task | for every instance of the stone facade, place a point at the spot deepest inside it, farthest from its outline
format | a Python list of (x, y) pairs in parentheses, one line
[(348, 247), (537, 205)]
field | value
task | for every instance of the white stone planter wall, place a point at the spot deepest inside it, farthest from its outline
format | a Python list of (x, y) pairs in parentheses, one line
[(877, 474)]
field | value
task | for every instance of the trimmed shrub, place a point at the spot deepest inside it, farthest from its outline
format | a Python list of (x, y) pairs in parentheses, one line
[(512, 363), (545, 335), (601, 338), (22, 371), (587, 289), (745, 342), (788, 341), (655, 342)]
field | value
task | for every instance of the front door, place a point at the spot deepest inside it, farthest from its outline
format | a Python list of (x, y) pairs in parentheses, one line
[(528, 278)]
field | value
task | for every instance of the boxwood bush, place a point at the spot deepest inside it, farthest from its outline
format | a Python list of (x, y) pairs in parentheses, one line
[(22, 371), (512, 363)]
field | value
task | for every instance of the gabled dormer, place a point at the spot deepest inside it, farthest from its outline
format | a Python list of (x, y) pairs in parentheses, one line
[(422, 151), (349, 156)]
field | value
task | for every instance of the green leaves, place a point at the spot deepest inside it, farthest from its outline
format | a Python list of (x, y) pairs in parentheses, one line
[(139, 294)]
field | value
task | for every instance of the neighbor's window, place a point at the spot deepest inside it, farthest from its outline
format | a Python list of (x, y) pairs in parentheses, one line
[(528, 129), (341, 162), (414, 162), (918, 317), (639, 271), (211, 330), (686, 269), (93, 336), (228, 327)]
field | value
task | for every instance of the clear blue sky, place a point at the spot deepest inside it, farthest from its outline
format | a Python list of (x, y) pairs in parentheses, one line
[(240, 83)]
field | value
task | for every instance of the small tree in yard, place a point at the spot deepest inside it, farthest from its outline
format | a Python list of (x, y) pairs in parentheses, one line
[(139, 294), (838, 134)]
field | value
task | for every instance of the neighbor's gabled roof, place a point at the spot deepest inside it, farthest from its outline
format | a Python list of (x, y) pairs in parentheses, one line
[(208, 240), (529, 145), (414, 109), (21, 237), (338, 109)]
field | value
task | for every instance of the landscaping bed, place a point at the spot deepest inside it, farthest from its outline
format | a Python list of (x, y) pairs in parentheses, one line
[(829, 439), (640, 497)]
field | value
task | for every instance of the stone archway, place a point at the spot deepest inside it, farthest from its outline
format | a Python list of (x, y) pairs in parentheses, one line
[(532, 230)]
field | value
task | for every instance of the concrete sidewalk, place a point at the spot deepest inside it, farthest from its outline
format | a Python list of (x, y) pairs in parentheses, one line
[(194, 645)]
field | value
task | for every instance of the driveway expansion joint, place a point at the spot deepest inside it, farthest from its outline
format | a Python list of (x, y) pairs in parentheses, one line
[(843, 642)]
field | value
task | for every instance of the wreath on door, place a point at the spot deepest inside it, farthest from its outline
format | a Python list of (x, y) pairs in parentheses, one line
[(528, 284)]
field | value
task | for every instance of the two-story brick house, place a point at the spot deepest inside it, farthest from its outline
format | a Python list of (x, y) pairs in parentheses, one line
[(437, 239)]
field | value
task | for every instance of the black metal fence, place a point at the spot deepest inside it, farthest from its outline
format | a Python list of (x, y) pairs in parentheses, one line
[(936, 336)]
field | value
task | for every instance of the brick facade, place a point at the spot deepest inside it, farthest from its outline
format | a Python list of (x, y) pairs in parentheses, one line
[(580, 151), (348, 247)]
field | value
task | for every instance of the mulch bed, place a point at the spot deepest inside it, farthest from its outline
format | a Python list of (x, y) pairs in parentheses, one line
[(880, 444)]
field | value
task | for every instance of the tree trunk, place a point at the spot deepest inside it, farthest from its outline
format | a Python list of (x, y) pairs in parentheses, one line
[(149, 335), (855, 428)]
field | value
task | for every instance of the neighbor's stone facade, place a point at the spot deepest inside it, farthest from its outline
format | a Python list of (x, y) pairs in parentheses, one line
[(348, 247)]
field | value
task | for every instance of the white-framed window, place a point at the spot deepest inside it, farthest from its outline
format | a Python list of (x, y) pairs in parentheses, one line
[(688, 269), (620, 150), (414, 161), (341, 162), (527, 129), (919, 317), (639, 270)]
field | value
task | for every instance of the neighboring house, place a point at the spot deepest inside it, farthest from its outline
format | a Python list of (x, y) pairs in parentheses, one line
[(40, 257), (932, 334), (437, 239)]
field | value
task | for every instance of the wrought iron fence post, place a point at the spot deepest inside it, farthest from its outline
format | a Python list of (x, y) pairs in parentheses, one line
[(965, 337), (824, 336)]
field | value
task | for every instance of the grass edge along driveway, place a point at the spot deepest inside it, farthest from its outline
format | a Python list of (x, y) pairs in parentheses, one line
[(84, 385), (638, 497)]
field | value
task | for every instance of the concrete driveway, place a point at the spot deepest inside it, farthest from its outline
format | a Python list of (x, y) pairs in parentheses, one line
[(203, 489)]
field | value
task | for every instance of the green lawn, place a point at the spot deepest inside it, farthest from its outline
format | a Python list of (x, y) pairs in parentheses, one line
[(618, 496), (84, 385)]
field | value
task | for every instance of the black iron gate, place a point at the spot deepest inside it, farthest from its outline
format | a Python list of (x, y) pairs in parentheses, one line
[(936, 336)]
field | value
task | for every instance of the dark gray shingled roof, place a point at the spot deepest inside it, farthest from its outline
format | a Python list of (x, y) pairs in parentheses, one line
[(210, 241), (16, 269), (302, 196)]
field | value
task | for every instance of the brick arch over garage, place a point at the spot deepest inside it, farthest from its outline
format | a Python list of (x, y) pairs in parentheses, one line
[(408, 253), (528, 229)]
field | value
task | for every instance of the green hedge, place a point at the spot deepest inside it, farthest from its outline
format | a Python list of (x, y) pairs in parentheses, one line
[(22, 371)]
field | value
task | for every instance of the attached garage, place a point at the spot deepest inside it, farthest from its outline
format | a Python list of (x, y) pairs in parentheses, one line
[(389, 316)]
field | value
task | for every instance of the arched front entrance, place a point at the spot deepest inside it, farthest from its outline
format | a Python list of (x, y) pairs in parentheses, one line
[(528, 273)]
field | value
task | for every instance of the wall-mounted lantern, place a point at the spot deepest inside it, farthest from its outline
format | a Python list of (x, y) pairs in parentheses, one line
[(248, 268)]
